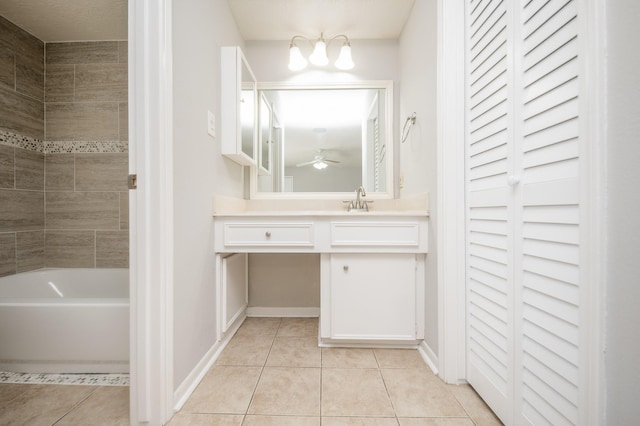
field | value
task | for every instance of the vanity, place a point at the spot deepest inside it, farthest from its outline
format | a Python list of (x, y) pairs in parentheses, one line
[(372, 264), (308, 147)]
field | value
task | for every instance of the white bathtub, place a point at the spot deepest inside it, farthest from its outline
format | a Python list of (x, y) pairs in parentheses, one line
[(65, 321)]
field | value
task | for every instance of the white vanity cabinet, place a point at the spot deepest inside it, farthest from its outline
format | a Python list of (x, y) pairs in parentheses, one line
[(372, 274), (370, 297)]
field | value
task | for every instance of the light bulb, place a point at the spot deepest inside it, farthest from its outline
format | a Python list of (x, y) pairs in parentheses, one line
[(320, 165), (297, 62), (319, 55), (344, 61)]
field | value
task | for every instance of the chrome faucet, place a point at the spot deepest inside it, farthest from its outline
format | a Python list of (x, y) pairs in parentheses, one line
[(360, 204)]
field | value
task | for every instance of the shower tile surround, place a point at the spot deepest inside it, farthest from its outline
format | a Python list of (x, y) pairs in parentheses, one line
[(63, 153)]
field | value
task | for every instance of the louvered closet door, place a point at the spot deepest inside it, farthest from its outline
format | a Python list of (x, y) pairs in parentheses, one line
[(523, 209), (547, 229), (489, 204)]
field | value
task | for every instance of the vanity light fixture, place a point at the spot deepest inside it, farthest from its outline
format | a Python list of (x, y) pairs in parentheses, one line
[(319, 56)]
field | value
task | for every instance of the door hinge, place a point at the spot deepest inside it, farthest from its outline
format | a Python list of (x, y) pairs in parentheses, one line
[(133, 181)]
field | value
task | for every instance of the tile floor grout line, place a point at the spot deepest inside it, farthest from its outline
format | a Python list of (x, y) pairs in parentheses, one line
[(76, 406), (253, 394)]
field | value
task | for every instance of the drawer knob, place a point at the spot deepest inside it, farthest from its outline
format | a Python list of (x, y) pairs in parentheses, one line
[(267, 234), (345, 268)]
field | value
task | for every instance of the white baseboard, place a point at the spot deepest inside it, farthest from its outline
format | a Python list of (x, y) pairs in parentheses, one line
[(428, 356), (188, 385), (256, 311)]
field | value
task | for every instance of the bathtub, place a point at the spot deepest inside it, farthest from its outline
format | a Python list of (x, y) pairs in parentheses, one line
[(65, 321)]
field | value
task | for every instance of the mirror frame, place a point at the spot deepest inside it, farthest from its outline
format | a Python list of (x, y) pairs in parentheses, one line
[(387, 85)]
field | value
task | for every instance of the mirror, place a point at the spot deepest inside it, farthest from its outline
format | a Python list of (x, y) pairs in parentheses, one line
[(326, 139), (247, 110), (264, 142)]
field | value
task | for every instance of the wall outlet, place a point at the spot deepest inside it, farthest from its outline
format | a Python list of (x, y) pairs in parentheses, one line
[(401, 180), (211, 124)]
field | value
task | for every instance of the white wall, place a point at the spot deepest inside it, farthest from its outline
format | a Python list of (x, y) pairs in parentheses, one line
[(200, 27), (418, 91), (300, 288), (622, 356)]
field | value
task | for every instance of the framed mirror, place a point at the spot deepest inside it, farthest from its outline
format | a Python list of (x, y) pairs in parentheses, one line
[(247, 110), (329, 139), (265, 143)]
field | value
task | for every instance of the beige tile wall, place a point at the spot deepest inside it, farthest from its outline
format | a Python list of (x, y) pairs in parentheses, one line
[(21, 81), (86, 193), (70, 209)]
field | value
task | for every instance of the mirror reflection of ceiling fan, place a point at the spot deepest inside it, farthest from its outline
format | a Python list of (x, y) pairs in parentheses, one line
[(320, 161)]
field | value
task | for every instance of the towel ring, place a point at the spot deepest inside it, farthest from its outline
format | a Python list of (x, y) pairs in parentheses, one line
[(410, 121)]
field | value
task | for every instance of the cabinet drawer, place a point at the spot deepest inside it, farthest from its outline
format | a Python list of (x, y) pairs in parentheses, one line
[(268, 235), (375, 234)]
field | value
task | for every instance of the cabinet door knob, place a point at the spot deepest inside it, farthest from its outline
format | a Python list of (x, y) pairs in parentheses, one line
[(267, 234), (345, 268)]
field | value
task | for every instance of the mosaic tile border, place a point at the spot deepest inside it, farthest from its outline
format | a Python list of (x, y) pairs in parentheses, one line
[(65, 379), (62, 147), (75, 147), (21, 141)]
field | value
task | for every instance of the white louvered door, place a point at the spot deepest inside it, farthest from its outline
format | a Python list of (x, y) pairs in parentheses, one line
[(489, 205), (523, 209)]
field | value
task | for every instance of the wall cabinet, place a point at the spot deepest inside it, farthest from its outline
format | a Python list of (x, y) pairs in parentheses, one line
[(239, 108), (370, 297)]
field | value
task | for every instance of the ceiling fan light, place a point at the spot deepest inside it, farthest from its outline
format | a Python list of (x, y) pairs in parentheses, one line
[(297, 62), (320, 165), (319, 55), (344, 61)]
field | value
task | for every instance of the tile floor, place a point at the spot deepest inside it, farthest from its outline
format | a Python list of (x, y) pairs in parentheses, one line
[(46, 405), (273, 373)]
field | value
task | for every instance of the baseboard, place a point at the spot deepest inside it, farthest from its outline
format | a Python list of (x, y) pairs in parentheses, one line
[(428, 356), (256, 311), (188, 385)]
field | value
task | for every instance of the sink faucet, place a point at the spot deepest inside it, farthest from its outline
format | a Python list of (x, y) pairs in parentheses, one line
[(360, 203)]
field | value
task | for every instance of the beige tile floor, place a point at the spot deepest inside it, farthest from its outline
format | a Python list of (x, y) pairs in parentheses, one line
[(46, 405), (273, 373)]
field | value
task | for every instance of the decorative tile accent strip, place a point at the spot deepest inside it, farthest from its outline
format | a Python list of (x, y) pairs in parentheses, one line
[(66, 379), (62, 147), (21, 141), (74, 147)]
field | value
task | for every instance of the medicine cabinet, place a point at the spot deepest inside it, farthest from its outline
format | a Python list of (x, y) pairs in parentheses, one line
[(239, 110)]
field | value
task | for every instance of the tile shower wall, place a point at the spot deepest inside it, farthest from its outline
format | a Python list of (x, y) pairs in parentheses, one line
[(86, 158), (21, 150), (77, 170)]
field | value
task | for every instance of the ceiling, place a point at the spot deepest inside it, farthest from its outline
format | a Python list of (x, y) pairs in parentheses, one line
[(358, 19), (49, 20), (257, 19)]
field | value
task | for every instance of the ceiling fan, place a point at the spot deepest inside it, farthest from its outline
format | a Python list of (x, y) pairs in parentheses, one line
[(320, 161)]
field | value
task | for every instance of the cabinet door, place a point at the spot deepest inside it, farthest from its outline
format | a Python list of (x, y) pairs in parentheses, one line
[(373, 296), (235, 291), (239, 107)]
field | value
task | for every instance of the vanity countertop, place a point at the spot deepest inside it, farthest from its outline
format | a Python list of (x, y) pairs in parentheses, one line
[(414, 206), (323, 213)]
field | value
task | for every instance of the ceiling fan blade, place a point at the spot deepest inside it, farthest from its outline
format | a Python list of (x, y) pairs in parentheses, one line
[(331, 161), (307, 163)]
